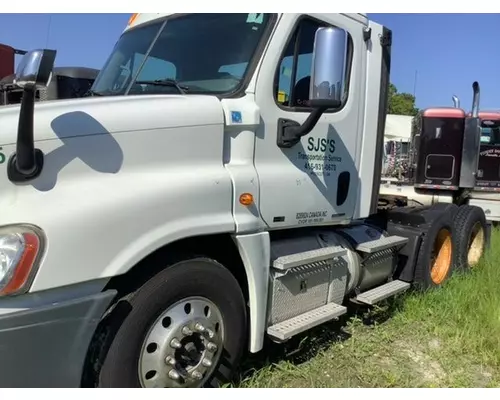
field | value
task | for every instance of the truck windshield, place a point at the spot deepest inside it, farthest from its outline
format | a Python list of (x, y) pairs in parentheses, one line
[(202, 53)]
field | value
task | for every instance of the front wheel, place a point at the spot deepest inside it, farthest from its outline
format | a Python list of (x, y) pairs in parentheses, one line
[(186, 328)]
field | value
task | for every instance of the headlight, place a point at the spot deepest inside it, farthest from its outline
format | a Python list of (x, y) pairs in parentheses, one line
[(20, 248)]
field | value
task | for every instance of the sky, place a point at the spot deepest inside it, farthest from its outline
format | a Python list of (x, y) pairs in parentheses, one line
[(434, 55)]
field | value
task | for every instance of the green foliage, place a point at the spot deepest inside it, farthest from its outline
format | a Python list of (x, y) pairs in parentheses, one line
[(401, 103)]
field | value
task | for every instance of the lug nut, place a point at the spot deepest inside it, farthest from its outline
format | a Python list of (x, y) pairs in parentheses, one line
[(186, 331), (197, 375), (170, 360), (175, 344), (210, 333), (206, 363), (211, 346), (173, 374), (199, 327)]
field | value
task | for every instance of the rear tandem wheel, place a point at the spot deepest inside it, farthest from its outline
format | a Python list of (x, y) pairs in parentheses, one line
[(470, 236), (436, 256)]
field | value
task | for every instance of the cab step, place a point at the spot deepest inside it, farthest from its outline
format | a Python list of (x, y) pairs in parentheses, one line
[(383, 292), (293, 326), (308, 257), (380, 244)]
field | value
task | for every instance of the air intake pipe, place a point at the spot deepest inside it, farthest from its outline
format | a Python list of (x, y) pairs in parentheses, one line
[(456, 101)]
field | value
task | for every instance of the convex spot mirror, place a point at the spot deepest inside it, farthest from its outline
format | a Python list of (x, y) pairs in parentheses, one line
[(35, 69), (328, 68)]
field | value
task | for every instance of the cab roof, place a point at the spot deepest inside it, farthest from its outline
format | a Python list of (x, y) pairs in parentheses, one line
[(137, 19)]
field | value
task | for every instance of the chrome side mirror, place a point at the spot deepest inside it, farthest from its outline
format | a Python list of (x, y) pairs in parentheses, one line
[(327, 84), (328, 68), (33, 72), (35, 69)]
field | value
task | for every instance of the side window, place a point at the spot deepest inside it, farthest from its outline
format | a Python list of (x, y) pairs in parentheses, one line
[(485, 135), (293, 75), (491, 134)]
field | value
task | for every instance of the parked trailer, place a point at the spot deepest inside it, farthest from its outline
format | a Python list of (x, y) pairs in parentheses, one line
[(397, 139), (152, 231)]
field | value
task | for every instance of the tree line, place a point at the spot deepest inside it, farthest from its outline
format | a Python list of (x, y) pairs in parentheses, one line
[(401, 103)]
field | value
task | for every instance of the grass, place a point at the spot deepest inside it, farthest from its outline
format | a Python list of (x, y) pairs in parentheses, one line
[(448, 337)]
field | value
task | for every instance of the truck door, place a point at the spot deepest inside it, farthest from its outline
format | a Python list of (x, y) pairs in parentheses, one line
[(316, 181)]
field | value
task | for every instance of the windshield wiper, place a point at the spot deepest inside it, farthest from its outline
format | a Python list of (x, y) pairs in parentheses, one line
[(165, 82)]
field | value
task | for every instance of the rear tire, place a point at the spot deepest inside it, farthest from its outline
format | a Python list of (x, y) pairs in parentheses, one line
[(186, 327), (436, 256), (470, 236)]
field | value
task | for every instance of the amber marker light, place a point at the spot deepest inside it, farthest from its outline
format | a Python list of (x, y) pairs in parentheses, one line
[(132, 18), (246, 199)]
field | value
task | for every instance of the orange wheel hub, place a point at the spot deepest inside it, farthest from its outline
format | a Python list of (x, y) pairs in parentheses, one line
[(442, 260)]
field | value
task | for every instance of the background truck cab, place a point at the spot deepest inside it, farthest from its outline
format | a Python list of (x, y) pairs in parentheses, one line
[(66, 82)]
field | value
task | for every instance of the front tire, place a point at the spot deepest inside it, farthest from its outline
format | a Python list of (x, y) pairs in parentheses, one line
[(186, 327)]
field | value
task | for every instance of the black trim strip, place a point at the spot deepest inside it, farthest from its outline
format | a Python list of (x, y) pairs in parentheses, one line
[(293, 77), (385, 72)]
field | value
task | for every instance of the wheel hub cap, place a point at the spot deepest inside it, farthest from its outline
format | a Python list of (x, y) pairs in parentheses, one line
[(183, 346)]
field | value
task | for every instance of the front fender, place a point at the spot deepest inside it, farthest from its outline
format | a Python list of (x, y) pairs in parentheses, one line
[(113, 226), (114, 189)]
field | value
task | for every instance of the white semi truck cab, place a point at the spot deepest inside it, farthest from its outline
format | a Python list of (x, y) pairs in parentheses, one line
[(219, 186)]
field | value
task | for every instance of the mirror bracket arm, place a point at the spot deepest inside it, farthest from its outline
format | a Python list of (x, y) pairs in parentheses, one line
[(290, 132), (27, 162)]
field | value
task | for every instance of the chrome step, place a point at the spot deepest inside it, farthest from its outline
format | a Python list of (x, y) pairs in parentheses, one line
[(383, 243), (307, 257), (383, 292), (293, 326)]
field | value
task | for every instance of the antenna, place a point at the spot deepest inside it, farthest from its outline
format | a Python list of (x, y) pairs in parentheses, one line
[(415, 84), (48, 31)]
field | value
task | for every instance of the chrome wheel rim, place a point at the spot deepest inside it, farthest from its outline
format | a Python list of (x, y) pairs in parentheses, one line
[(183, 346)]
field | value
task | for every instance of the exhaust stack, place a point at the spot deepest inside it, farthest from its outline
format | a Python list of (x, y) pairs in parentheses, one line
[(475, 100), (456, 101)]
